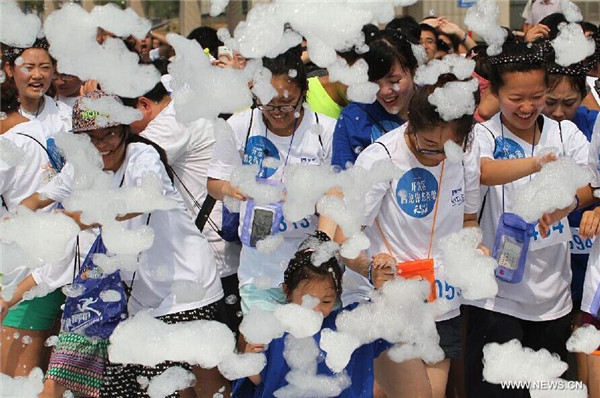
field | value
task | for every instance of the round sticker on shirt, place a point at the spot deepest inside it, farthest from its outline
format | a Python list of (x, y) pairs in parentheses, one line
[(257, 149), (508, 149), (416, 192)]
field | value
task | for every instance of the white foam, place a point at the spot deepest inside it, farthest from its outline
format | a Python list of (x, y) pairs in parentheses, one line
[(109, 296), (16, 28), (10, 154), (584, 339), (482, 18), (571, 45), (269, 244), (454, 152), (241, 365), (111, 111), (298, 320), (260, 327), (171, 380), (23, 387), (454, 99), (429, 73), (571, 12)]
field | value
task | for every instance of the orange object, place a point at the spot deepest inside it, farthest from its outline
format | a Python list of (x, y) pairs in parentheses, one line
[(419, 269)]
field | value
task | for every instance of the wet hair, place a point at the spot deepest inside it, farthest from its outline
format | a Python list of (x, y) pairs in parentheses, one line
[(423, 116), (301, 266), (577, 83), (516, 57), (385, 48), (9, 97), (207, 38), (589, 27), (283, 63), (408, 26)]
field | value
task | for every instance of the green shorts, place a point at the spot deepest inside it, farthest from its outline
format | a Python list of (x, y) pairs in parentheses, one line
[(37, 314)]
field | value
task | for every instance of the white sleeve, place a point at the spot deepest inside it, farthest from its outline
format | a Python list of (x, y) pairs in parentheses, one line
[(576, 144), (327, 137), (594, 152), (374, 197), (169, 135), (485, 140), (226, 155), (60, 187), (472, 170), (145, 161), (59, 274)]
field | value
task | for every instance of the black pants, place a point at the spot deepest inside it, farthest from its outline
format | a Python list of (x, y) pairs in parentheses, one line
[(492, 327), (230, 307)]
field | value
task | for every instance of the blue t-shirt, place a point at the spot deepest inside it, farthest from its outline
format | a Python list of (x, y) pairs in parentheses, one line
[(359, 126), (359, 368)]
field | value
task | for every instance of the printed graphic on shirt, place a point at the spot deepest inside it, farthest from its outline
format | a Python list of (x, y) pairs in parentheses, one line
[(416, 192), (258, 148), (508, 149), (458, 197)]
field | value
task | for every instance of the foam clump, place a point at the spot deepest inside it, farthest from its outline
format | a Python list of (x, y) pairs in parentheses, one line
[(10, 154), (260, 327), (112, 263), (303, 381), (244, 178), (23, 387), (237, 366), (110, 111), (201, 90), (41, 238), (356, 78), (299, 321), (459, 66), (584, 339), (110, 296), (552, 188), (147, 341), (73, 290), (40, 290), (120, 240), (571, 45), (454, 99), (454, 152), (16, 28), (121, 23), (71, 32), (482, 18), (171, 380), (411, 323), (188, 291), (269, 244), (466, 267), (571, 12), (512, 362)]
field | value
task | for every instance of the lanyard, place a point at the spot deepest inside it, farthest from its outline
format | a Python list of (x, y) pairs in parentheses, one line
[(287, 156)]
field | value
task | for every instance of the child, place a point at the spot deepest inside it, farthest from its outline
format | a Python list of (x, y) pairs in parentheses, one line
[(323, 282)]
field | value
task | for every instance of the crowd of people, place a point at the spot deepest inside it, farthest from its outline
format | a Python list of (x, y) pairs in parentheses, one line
[(525, 103)]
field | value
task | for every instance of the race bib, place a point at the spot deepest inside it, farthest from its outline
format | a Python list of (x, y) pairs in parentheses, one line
[(558, 233), (579, 245)]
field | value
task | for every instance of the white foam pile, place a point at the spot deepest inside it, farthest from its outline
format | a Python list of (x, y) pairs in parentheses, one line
[(110, 111), (40, 290), (459, 66), (40, 237), (244, 178), (121, 240), (10, 154), (397, 313), (571, 45), (465, 265), (323, 251), (261, 81), (454, 99), (584, 339), (356, 78), (71, 32), (110, 296), (420, 53), (300, 321), (482, 18), (269, 244), (22, 387), (552, 188), (260, 327), (513, 362), (454, 152), (188, 291), (51, 341), (148, 341), (16, 28), (571, 12), (301, 356), (217, 7), (171, 380), (111, 263), (201, 90)]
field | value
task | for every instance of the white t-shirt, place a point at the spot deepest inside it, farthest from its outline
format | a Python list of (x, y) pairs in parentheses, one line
[(189, 148), (544, 293), (304, 147), (179, 252), (56, 116), (68, 101), (591, 286), (405, 210)]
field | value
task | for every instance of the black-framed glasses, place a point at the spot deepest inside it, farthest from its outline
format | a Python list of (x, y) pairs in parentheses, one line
[(424, 151), (113, 137), (280, 108)]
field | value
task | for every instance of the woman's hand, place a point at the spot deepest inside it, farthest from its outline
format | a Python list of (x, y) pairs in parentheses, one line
[(549, 219), (536, 32), (590, 223), (233, 192), (383, 269), (76, 216)]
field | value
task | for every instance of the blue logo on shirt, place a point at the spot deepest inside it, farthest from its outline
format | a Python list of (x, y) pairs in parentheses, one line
[(508, 149), (416, 192), (257, 149)]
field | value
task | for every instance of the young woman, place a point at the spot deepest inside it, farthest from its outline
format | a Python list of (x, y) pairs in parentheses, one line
[(31, 70), (392, 66), (282, 129), (324, 283), (536, 309), (405, 217), (178, 248)]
